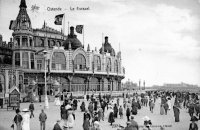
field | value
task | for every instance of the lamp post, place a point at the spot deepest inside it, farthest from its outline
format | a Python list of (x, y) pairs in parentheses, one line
[(46, 102), (32, 84)]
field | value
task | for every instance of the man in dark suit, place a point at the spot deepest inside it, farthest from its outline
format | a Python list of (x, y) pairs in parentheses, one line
[(31, 108), (57, 126), (134, 124)]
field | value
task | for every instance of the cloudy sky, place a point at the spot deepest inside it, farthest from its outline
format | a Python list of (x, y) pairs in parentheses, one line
[(159, 39)]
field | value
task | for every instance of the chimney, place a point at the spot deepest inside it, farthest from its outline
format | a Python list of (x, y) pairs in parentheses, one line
[(71, 30), (106, 39), (10, 39)]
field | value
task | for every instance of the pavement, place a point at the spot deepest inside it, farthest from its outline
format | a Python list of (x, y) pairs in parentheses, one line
[(53, 113)]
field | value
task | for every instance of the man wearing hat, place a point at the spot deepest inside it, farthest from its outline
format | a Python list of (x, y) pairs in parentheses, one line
[(193, 125), (128, 127), (31, 109), (18, 120), (134, 124), (42, 119)]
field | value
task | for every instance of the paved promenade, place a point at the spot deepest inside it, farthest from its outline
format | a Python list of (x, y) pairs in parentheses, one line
[(53, 113)]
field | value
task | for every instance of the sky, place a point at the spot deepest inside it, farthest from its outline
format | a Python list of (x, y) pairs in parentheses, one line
[(159, 39)]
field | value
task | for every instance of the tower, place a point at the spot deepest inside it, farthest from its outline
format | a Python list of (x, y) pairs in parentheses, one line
[(23, 48)]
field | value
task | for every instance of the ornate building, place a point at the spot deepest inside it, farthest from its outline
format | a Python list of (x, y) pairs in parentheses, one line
[(67, 62)]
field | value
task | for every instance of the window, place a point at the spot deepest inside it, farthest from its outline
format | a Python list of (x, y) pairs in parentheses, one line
[(30, 41), (25, 80), (32, 61), (115, 66), (58, 61), (18, 41), (97, 63), (39, 42), (108, 68), (80, 62), (25, 60), (1, 83), (17, 58), (39, 64), (24, 41)]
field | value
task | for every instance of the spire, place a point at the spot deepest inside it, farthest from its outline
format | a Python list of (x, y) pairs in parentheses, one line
[(88, 48), (70, 46), (44, 25), (23, 4)]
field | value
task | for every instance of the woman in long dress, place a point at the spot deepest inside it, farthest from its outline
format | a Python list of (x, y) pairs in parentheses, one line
[(162, 110), (26, 120), (70, 119)]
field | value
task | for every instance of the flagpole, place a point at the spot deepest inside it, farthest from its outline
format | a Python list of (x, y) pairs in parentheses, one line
[(68, 27)]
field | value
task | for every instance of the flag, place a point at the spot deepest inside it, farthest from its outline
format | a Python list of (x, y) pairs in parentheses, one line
[(79, 29), (13, 24), (58, 19)]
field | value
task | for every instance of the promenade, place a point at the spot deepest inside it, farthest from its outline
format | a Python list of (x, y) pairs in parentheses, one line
[(53, 113)]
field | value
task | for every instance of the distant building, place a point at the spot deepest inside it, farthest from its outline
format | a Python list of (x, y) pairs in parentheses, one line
[(179, 85)]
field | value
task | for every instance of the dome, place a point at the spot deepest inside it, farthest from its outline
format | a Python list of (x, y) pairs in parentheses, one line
[(72, 38), (107, 47)]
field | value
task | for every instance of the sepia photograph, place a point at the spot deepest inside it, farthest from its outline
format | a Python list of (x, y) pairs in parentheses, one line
[(99, 64)]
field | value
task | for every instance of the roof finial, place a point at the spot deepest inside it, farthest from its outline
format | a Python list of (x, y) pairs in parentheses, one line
[(23, 4), (88, 48)]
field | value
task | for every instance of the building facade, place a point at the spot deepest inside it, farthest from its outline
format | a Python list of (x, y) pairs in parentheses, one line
[(66, 61)]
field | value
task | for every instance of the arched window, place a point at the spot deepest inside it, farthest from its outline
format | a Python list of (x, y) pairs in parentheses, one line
[(108, 68), (115, 66), (32, 61), (17, 58), (80, 62), (97, 63), (25, 60), (24, 41), (58, 61), (1, 83)]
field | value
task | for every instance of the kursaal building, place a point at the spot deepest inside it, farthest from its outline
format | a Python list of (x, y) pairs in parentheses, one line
[(67, 62)]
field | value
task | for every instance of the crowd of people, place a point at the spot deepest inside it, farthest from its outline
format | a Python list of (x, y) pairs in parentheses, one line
[(106, 108)]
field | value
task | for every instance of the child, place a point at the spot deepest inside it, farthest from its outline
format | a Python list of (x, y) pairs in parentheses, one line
[(121, 112)]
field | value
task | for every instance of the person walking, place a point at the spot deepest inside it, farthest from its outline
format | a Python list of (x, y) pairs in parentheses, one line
[(31, 109), (42, 119), (115, 111), (176, 113), (18, 120), (134, 124), (128, 113), (86, 124), (166, 107), (57, 126), (26, 119), (121, 112)]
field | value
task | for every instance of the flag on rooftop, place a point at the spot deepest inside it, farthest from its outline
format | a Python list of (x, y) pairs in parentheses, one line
[(79, 29), (58, 19), (13, 24)]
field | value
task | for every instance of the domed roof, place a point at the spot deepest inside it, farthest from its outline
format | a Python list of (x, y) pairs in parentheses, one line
[(107, 47), (72, 39)]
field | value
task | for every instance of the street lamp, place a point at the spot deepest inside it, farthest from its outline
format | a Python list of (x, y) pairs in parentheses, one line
[(31, 86), (46, 103)]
